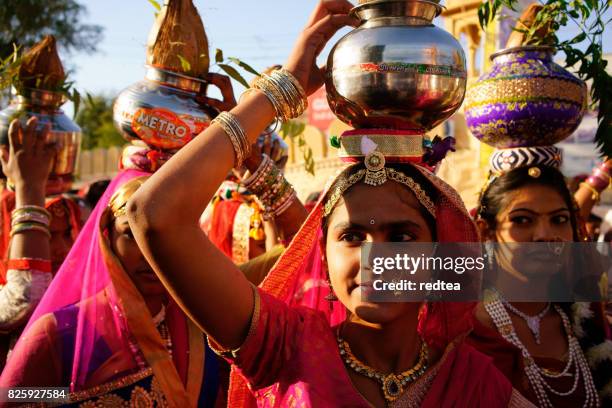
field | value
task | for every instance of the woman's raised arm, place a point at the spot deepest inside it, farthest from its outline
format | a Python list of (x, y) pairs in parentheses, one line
[(164, 212)]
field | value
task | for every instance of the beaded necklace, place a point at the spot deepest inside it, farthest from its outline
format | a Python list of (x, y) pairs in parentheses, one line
[(159, 320), (533, 322), (392, 384), (537, 376)]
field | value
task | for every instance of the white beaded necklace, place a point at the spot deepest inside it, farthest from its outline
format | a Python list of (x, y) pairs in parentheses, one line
[(536, 375), (533, 322)]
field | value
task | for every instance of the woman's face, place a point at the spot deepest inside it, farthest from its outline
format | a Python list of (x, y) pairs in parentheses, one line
[(534, 213), (125, 248), (387, 213), (61, 235)]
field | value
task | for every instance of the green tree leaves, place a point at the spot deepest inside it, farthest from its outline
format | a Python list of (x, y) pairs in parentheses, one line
[(96, 120), (24, 22)]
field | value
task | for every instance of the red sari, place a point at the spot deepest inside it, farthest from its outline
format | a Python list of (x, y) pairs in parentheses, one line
[(291, 358)]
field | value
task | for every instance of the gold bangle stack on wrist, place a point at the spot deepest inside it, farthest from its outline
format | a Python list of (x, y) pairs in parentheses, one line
[(284, 92), (271, 188), (30, 218), (236, 134)]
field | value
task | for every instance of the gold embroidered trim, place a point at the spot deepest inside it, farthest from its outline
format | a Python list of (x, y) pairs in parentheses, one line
[(524, 90), (110, 386), (397, 176), (240, 234), (252, 329), (389, 146)]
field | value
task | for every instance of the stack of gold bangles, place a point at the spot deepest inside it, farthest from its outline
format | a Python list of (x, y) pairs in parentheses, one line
[(30, 218), (284, 92), (271, 188), (286, 96), (236, 134)]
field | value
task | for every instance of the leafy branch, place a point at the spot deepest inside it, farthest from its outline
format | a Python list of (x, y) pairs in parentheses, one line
[(589, 64), (294, 130), (230, 66), (9, 77), (157, 6)]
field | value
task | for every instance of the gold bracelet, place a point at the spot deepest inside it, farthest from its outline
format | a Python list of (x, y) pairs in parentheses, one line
[(273, 95), (287, 82), (236, 134), (31, 208), (295, 83), (288, 94), (285, 94), (26, 227), (594, 193)]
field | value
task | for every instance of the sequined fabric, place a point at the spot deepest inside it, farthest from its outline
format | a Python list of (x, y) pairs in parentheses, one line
[(525, 100)]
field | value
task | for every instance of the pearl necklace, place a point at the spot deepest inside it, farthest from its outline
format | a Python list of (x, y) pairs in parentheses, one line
[(533, 322), (392, 385), (160, 323), (537, 376)]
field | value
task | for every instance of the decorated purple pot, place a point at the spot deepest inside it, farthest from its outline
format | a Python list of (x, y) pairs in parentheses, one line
[(525, 100)]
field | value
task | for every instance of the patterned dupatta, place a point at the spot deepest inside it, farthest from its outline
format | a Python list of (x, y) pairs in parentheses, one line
[(110, 334), (299, 279)]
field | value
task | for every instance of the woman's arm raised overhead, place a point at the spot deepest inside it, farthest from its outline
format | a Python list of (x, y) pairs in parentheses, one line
[(164, 212)]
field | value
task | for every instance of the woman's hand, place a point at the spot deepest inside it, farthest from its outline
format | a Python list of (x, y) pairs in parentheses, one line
[(28, 159), (328, 17), (227, 92), (272, 148)]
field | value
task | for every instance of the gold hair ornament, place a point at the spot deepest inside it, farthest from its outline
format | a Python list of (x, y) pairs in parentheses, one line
[(376, 174)]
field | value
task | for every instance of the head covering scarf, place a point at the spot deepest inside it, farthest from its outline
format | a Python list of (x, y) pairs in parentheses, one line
[(234, 217), (7, 205), (299, 277), (108, 323)]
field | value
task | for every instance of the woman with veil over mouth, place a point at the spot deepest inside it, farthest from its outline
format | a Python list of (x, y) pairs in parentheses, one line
[(305, 352)]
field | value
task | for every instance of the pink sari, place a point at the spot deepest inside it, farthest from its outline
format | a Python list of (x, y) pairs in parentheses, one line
[(290, 356), (92, 332)]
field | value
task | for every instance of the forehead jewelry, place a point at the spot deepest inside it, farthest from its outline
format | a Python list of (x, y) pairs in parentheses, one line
[(534, 172), (372, 221)]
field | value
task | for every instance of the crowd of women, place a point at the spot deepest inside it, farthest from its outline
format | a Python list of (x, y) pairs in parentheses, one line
[(268, 309)]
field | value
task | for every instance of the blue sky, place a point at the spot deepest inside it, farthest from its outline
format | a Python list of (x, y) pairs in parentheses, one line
[(259, 32)]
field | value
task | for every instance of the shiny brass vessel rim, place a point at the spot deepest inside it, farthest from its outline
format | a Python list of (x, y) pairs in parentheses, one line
[(512, 50), (355, 10), (174, 79), (41, 97)]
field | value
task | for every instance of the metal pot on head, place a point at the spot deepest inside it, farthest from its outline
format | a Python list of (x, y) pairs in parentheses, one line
[(45, 105), (162, 110), (396, 70)]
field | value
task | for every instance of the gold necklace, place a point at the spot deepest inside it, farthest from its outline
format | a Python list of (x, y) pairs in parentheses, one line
[(392, 384)]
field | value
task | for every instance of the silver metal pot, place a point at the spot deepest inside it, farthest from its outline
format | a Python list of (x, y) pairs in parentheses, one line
[(396, 70), (162, 110), (45, 105)]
